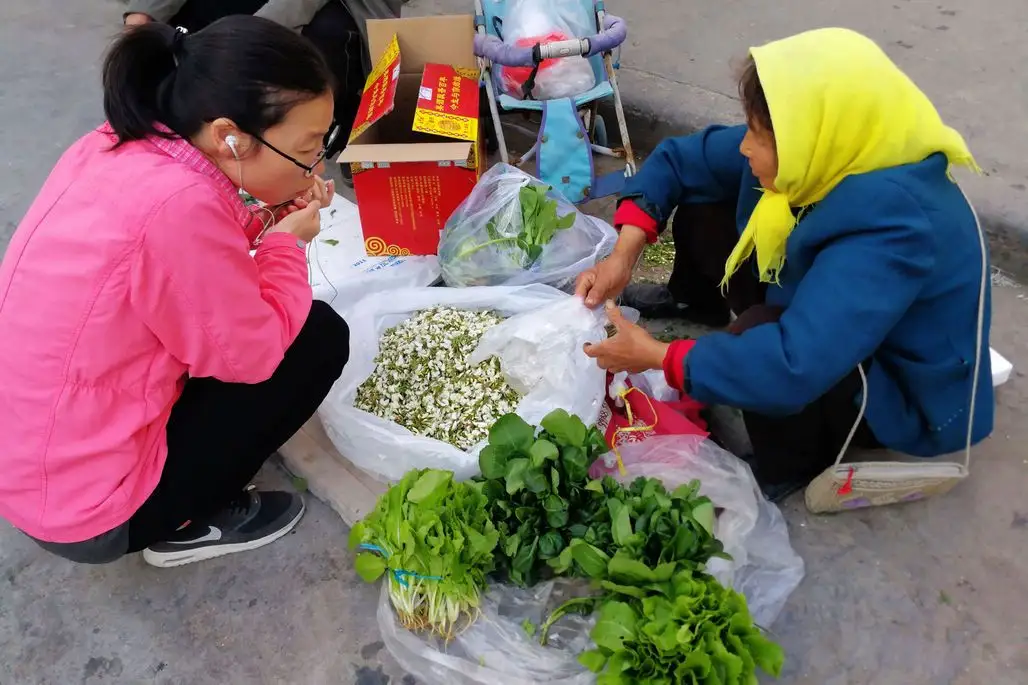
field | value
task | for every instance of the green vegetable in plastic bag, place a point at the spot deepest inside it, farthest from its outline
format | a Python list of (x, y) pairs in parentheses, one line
[(434, 538)]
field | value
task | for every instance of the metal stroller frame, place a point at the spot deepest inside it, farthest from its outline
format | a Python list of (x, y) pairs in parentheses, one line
[(570, 178)]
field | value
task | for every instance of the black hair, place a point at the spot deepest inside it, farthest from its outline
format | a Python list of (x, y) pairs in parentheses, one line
[(751, 92), (248, 69)]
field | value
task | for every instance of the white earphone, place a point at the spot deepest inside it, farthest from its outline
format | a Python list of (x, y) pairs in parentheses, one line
[(232, 142), (269, 220)]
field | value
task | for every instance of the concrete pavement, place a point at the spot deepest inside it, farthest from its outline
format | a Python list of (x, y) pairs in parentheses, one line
[(926, 594), (677, 75)]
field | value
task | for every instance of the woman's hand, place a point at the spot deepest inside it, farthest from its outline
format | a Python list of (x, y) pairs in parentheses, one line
[(303, 222), (323, 191), (631, 349), (610, 277)]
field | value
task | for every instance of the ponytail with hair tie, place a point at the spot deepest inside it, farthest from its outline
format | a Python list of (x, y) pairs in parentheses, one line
[(177, 42), (243, 68)]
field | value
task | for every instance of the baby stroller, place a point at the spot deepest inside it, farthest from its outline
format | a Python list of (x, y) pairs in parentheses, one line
[(571, 128)]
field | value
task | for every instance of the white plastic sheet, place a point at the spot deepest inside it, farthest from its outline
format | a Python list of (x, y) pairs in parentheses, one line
[(539, 347), (340, 270)]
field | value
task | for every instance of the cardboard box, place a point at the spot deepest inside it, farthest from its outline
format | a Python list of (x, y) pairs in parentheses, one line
[(416, 146)]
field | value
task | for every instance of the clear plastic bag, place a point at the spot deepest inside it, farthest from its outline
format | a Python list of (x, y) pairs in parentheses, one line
[(528, 22), (541, 351), (491, 216), (496, 650), (548, 327)]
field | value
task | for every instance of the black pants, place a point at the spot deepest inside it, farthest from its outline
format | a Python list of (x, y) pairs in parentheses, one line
[(220, 434), (789, 448), (333, 30)]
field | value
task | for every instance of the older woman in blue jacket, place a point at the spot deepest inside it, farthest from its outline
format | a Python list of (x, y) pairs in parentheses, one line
[(831, 228)]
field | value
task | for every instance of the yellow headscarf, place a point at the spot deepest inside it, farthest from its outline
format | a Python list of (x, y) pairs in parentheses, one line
[(839, 107)]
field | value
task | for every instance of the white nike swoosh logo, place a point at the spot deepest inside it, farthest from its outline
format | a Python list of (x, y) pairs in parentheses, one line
[(213, 535)]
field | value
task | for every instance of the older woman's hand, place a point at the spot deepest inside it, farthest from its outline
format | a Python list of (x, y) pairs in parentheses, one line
[(631, 349)]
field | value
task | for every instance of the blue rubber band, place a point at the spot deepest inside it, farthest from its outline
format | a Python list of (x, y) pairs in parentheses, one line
[(399, 574)]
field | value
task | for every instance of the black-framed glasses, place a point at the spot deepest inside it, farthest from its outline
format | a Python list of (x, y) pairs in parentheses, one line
[(308, 169)]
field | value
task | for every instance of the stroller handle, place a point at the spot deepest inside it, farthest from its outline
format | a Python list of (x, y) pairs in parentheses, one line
[(614, 33)]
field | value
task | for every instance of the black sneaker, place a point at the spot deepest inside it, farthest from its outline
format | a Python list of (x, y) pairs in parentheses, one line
[(253, 520), (655, 302)]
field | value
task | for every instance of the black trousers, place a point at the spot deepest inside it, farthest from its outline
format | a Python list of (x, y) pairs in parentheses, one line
[(333, 30), (220, 434), (788, 448)]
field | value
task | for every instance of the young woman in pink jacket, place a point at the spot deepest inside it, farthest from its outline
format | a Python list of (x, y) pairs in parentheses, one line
[(149, 365)]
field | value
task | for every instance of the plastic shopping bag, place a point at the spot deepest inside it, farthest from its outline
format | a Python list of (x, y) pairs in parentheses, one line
[(485, 242), (540, 353), (528, 22), (496, 650), (631, 415)]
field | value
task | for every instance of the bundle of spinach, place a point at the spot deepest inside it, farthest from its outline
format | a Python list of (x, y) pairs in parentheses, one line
[(648, 525), (538, 488), (662, 620), (435, 539), (689, 629), (539, 223), (667, 626)]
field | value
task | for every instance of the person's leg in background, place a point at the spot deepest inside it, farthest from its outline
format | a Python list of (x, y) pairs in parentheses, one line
[(704, 235), (336, 34), (196, 14), (790, 451), (219, 436)]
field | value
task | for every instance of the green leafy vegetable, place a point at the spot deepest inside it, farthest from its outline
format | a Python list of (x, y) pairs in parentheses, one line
[(435, 540), (536, 485), (662, 620), (539, 224), (370, 567), (699, 633), (653, 526), (579, 605)]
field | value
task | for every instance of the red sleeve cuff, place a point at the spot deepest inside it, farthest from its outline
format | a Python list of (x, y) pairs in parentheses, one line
[(674, 363), (631, 214)]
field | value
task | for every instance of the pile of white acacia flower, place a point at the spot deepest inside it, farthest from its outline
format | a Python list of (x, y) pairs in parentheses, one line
[(424, 382)]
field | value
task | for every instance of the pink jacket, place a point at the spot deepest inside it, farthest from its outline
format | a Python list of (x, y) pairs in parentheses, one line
[(130, 272)]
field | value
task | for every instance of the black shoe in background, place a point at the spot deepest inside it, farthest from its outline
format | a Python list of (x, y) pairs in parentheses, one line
[(253, 519), (656, 302), (347, 174), (777, 491)]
